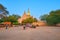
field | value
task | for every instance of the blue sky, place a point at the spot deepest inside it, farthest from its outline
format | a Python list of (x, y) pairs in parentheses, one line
[(37, 7)]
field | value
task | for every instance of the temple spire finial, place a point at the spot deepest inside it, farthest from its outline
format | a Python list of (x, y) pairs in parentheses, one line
[(24, 13), (28, 11)]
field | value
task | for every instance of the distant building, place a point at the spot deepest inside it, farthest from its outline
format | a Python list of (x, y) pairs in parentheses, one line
[(27, 15)]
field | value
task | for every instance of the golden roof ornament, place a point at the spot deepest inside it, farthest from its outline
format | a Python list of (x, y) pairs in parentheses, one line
[(28, 12)]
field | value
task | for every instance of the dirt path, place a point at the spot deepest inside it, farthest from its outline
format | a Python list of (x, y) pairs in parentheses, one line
[(40, 33)]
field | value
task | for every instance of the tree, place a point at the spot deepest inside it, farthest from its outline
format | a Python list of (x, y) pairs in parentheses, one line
[(1, 20), (29, 20), (53, 17), (13, 18), (43, 17), (35, 20), (3, 11)]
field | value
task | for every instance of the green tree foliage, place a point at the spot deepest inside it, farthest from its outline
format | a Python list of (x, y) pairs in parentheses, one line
[(13, 18), (43, 17), (29, 20), (35, 20), (3, 11), (2, 7), (53, 18), (1, 20)]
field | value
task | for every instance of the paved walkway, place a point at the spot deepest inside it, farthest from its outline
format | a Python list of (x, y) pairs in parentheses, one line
[(40, 33)]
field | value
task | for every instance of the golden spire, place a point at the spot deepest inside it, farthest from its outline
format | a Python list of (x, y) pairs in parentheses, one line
[(28, 12), (24, 13)]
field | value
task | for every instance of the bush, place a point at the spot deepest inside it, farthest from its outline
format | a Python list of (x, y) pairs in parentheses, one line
[(15, 23)]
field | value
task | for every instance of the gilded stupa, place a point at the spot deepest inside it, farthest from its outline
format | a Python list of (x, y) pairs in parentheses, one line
[(28, 12), (27, 15), (24, 16)]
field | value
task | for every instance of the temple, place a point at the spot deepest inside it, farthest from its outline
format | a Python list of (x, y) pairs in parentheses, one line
[(24, 16), (27, 15)]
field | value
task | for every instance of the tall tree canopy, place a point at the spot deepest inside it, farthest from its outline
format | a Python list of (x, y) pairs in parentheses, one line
[(53, 17), (3, 13)]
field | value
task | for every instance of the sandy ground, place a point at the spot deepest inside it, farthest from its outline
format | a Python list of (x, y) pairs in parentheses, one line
[(39, 33)]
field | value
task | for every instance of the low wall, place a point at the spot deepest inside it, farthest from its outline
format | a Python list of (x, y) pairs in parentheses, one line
[(2, 25)]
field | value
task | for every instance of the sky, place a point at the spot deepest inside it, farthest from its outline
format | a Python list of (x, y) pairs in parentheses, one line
[(37, 7)]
